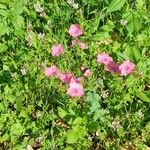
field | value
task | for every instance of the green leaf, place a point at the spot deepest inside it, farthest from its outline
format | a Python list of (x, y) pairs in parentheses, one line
[(115, 5), (109, 27), (61, 112), (93, 99), (71, 111), (143, 96), (17, 129), (2, 6), (3, 12), (133, 52), (3, 48), (7, 89), (5, 67), (68, 148), (19, 104), (20, 21), (2, 107), (133, 23), (3, 29), (136, 53), (17, 8), (140, 4), (4, 138), (19, 32), (72, 136), (101, 36), (78, 121)]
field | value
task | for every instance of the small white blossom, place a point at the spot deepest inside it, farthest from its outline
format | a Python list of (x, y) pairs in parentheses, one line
[(89, 138), (123, 22), (41, 36), (75, 5), (43, 65), (38, 8), (80, 11), (23, 71), (39, 139), (139, 114), (42, 14), (97, 133), (116, 124), (70, 2), (104, 94), (29, 147)]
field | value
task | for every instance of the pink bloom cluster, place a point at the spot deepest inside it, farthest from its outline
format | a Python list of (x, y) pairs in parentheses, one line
[(51, 71), (67, 78), (57, 50), (126, 68), (86, 72), (74, 31), (75, 88)]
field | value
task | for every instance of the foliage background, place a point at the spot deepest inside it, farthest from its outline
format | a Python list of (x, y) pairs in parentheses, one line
[(35, 111)]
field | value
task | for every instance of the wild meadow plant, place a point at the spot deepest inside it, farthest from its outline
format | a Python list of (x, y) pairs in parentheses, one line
[(74, 75)]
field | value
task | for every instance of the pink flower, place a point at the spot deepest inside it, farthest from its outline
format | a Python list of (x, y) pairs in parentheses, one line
[(81, 44), (104, 58), (57, 50), (51, 71), (74, 42), (86, 72), (75, 90), (80, 79), (127, 67), (113, 67), (66, 77), (75, 30), (74, 80)]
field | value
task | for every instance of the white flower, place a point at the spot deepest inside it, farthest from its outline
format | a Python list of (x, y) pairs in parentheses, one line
[(23, 71), (71, 2), (75, 5), (39, 139), (43, 65), (123, 22), (116, 124), (42, 14), (41, 36), (80, 11), (38, 8), (139, 114), (105, 94)]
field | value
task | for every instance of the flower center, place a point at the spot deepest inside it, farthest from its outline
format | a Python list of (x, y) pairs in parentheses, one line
[(75, 90), (126, 67)]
